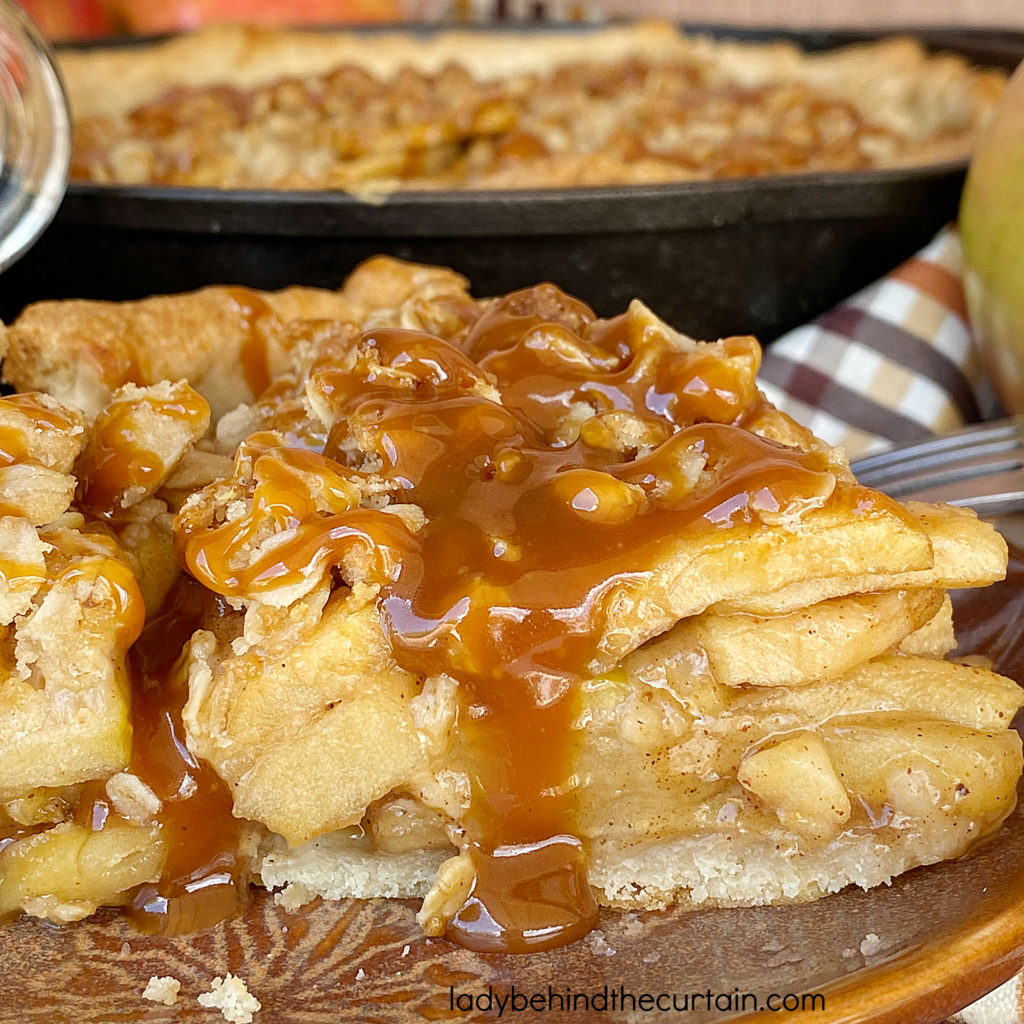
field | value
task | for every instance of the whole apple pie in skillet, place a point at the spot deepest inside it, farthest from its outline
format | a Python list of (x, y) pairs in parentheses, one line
[(393, 591), (235, 107)]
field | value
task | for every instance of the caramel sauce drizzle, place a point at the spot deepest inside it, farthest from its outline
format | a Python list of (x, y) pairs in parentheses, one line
[(116, 461), (204, 879), (14, 443), (282, 495), (129, 611), (15, 449), (531, 537), (260, 321)]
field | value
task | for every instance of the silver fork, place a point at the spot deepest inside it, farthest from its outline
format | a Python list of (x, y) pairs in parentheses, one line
[(981, 466)]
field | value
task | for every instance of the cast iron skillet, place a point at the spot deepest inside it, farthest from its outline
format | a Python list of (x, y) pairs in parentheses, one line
[(740, 256)]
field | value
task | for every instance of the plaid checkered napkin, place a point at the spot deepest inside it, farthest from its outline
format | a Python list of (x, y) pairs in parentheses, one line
[(893, 364)]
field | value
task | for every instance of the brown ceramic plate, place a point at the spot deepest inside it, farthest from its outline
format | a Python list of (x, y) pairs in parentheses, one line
[(911, 953)]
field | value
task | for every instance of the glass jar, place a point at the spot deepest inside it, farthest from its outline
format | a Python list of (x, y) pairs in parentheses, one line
[(35, 133)]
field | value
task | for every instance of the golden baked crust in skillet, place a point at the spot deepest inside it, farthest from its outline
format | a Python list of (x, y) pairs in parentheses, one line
[(237, 107)]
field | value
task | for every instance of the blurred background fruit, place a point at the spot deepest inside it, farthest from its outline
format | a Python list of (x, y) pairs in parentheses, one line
[(84, 19), (171, 15), (992, 225), (70, 19)]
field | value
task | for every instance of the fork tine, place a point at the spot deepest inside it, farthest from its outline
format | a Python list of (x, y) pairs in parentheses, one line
[(946, 466), (1002, 494), (1000, 436), (950, 475), (981, 466)]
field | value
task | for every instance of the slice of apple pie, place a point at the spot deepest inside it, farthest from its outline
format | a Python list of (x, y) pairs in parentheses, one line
[(491, 602)]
